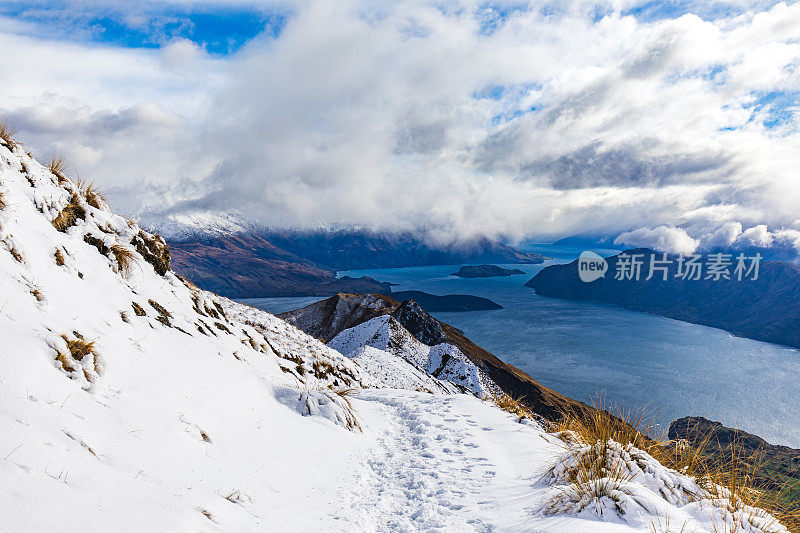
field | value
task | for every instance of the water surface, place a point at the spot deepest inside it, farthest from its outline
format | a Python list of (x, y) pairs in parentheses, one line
[(635, 359)]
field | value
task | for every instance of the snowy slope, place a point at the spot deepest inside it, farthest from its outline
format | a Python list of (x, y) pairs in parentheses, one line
[(132, 401), (387, 338)]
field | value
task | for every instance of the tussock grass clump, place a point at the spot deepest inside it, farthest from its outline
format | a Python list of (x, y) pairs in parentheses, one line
[(236, 497), (93, 196), (732, 484), (58, 167), (2, 200), (737, 482), (222, 327), (125, 257), (609, 422), (69, 215), (514, 406), (79, 358), (16, 255), (7, 135), (59, 257), (591, 476), (137, 309), (333, 403), (344, 394)]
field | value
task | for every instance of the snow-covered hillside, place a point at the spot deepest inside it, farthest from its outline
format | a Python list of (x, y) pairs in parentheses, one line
[(132, 401), (383, 341)]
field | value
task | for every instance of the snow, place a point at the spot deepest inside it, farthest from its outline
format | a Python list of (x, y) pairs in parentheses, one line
[(389, 339), (204, 414)]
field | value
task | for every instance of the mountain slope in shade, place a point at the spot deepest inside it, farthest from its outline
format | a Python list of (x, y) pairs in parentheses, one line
[(348, 249), (766, 309), (246, 265), (240, 260), (131, 400)]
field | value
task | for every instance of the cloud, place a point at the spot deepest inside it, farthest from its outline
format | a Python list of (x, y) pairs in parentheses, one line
[(532, 120), (662, 239)]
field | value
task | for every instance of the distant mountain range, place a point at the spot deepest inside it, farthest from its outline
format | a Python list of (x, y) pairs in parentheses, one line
[(240, 260), (766, 309)]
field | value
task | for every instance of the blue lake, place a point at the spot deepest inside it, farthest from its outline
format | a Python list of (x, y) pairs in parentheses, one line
[(631, 359)]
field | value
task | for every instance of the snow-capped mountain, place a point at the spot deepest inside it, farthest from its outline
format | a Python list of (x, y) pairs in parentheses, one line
[(197, 224), (131, 400)]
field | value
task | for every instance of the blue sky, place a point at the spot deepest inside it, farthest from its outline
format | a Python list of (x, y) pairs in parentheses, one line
[(219, 29), (223, 29)]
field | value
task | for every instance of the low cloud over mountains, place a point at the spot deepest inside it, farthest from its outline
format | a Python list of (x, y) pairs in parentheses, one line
[(528, 120)]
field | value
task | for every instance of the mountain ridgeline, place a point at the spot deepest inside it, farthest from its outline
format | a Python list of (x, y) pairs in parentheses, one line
[(263, 263), (328, 318)]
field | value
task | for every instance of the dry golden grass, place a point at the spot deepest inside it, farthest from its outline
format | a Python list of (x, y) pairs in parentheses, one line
[(58, 167), (59, 257), (7, 135), (69, 215), (16, 255), (592, 475), (736, 482), (732, 483), (93, 196), (514, 406), (79, 348), (344, 394), (125, 258), (2, 201), (235, 496)]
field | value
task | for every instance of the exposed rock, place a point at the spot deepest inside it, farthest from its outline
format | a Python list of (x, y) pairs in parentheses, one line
[(154, 250)]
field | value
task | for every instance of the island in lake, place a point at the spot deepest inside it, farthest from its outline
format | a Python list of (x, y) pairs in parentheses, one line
[(447, 302), (486, 271)]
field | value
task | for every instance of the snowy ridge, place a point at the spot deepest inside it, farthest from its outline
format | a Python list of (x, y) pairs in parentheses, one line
[(130, 400), (387, 338), (184, 226)]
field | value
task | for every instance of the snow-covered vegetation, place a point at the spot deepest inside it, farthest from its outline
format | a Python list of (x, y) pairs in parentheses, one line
[(130, 400)]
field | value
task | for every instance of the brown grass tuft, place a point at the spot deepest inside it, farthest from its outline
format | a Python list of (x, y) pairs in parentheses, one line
[(2, 201), (591, 475), (344, 394), (514, 406), (93, 196), (59, 257), (79, 348), (58, 167), (736, 481), (69, 215), (733, 483), (125, 257), (7, 135)]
